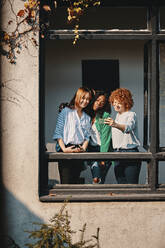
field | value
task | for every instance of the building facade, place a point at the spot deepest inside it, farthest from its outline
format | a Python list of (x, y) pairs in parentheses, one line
[(30, 93)]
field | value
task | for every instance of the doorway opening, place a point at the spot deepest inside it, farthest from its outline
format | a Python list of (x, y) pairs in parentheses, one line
[(100, 74)]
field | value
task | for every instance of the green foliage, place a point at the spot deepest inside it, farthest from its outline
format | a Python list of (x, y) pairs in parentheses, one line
[(58, 234)]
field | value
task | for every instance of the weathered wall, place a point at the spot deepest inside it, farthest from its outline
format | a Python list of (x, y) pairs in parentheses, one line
[(122, 224)]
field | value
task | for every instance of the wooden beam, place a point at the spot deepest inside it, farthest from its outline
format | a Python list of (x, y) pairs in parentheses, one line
[(56, 156)]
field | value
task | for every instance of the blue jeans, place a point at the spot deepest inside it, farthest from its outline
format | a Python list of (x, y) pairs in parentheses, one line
[(127, 172), (97, 170)]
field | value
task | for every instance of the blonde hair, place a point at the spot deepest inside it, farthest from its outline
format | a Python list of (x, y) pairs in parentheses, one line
[(78, 96)]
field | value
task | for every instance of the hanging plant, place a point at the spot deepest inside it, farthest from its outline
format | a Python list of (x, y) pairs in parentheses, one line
[(76, 10), (27, 23)]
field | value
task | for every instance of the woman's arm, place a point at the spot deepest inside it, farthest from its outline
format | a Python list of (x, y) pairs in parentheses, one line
[(85, 145), (112, 123), (59, 130), (125, 128)]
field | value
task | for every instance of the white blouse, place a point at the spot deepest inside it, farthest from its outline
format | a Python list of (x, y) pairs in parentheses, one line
[(129, 138), (95, 136)]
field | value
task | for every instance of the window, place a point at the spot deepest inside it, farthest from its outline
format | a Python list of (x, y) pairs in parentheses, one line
[(104, 18), (162, 18), (101, 74), (162, 95), (139, 50)]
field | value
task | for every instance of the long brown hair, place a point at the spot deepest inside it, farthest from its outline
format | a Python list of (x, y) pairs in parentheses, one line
[(76, 99)]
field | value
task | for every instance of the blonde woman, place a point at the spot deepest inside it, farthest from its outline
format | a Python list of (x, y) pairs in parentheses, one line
[(72, 134)]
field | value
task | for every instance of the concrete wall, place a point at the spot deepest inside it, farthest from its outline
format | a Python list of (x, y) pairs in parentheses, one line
[(122, 224)]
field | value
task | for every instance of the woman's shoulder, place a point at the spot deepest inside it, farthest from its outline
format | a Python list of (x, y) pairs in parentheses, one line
[(87, 116), (131, 113), (65, 110)]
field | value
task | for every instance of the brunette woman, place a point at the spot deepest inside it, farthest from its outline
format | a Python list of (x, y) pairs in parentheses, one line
[(100, 140)]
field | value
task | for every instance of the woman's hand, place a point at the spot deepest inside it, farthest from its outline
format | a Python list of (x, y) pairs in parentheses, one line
[(109, 121), (71, 149), (82, 149)]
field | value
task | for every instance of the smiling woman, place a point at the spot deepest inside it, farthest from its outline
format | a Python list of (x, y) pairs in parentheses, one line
[(118, 49), (124, 135), (72, 134), (100, 140)]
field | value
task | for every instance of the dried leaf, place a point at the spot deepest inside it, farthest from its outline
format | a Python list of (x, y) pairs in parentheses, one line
[(6, 36), (21, 13), (32, 4), (111, 194), (46, 8), (33, 13), (51, 194), (26, 5)]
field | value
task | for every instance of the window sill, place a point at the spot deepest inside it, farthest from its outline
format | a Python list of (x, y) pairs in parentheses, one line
[(95, 193), (104, 198)]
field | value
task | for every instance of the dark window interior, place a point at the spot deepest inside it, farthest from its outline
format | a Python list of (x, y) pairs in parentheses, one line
[(162, 18), (104, 18), (100, 74)]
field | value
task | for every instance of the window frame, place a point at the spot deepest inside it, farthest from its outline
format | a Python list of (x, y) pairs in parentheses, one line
[(162, 148), (111, 192)]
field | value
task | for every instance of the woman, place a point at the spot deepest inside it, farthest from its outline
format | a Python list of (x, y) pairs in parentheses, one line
[(72, 134), (100, 140), (124, 135)]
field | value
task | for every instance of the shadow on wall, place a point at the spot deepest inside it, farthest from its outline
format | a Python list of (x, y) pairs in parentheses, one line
[(3, 225), (16, 218)]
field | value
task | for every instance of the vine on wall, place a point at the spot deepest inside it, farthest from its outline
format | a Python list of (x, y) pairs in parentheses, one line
[(27, 23)]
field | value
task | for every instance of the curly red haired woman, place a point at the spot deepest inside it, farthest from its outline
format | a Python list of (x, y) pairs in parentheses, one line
[(124, 135)]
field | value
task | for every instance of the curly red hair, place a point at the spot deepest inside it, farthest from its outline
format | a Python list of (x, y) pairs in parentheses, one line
[(122, 95)]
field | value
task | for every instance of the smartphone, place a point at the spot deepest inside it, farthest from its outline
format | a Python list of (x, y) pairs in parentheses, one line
[(101, 120), (77, 146)]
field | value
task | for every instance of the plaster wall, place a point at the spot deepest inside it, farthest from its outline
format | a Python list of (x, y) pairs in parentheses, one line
[(122, 224)]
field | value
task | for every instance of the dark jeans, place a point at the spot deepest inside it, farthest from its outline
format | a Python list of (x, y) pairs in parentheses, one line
[(70, 170), (127, 172), (97, 170)]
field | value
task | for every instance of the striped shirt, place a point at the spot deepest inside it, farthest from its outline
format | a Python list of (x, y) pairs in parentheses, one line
[(71, 128)]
